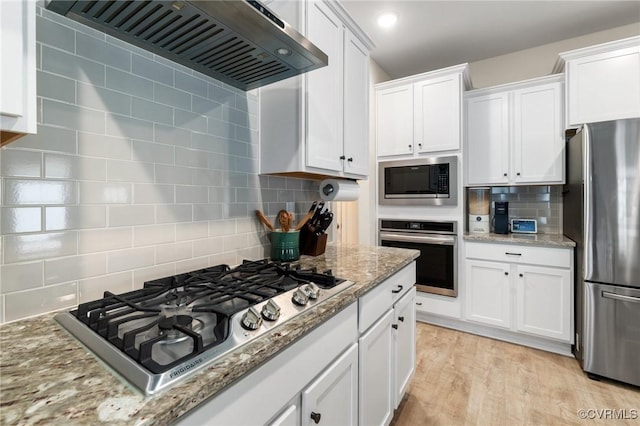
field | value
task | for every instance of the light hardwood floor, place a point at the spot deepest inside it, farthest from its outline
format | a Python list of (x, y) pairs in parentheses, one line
[(463, 379)]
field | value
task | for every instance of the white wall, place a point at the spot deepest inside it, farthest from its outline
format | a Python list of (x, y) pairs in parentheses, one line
[(539, 61)]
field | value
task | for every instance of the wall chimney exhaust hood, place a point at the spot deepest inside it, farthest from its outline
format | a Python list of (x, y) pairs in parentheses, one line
[(239, 42)]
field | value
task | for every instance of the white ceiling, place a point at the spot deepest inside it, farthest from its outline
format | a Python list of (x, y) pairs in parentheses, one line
[(433, 34)]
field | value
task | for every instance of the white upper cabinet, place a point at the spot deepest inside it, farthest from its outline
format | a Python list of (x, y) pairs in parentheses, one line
[(318, 123), (17, 69), (515, 133), (602, 81), (422, 113)]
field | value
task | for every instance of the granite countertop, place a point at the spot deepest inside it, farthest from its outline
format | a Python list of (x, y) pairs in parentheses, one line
[(544, 240), (48, 377)]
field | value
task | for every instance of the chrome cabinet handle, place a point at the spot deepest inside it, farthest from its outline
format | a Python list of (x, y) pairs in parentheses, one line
[(398, 290)]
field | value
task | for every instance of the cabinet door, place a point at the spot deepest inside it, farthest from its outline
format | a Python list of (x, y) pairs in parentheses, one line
[(375, 363), (604, 86), (488, 293), (332, 399), (543, 302), (487, 155), (356, 107), (289, 417), (324, 91), (404, 345), (394, 120), (538, 134), (17, 68), (436, 114)]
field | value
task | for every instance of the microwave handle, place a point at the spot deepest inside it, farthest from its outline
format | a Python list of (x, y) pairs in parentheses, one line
[(447, 240)]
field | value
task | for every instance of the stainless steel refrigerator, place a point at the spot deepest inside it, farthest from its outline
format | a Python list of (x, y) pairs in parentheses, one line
[(601, 213)]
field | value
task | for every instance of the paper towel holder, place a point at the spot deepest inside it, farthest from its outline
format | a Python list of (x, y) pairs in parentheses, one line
[(327, 189)]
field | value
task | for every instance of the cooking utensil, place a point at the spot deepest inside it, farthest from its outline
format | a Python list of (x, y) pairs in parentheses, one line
[(264, 220), (304, 219)]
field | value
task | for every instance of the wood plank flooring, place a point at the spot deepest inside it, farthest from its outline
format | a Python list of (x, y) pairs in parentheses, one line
[(463, 379)]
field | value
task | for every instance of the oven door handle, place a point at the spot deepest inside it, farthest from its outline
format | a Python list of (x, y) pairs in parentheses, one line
[(445, 240)]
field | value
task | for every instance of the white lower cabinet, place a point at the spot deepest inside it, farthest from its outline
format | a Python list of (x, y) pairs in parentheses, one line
[(387, 346), (289, 417), (522, 289), (376, 402), (332, 399)]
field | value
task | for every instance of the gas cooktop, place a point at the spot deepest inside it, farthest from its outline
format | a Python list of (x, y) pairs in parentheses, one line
[(177, 325)]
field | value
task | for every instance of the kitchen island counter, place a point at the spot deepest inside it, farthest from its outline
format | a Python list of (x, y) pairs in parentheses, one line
[(48, 377)]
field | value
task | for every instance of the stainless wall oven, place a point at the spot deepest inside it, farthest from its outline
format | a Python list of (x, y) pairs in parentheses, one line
[(437, 265)]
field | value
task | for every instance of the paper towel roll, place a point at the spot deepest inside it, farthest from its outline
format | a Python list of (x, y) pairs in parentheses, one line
[(339, 190)]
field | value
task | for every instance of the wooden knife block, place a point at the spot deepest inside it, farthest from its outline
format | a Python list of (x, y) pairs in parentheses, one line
[(312, 244)]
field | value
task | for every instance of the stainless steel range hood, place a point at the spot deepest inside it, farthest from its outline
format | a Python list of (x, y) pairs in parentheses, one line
[(239, 42)]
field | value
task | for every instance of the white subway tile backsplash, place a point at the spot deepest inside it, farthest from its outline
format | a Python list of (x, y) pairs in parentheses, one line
[(167, 213), (153, 193), (154, 152), (123, 215), (130, 171), (99, 50), (192, 230), (75, 217), (21, 276), (124, 260), (27, 303), (173, 252), (96, 240), (127, 127), (15, 220), (154, 234), (128, 83), (93, 288), (20, 248), (48, 138), (103, 99), (72, 116), (74, 267), (17, 163), (60, 166), (35, 191), (93, 145), (105, 193)]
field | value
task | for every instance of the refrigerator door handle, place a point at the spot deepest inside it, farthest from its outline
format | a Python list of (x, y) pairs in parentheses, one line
[(620, 297), (588, 214)]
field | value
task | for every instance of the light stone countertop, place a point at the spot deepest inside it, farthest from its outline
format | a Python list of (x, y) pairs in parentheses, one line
[(48, 377), (543, 240)]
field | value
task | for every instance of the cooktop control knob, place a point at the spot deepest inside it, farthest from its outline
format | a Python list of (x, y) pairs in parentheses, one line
[(251, 320), (311, 291), (299, 297), (271, 311)]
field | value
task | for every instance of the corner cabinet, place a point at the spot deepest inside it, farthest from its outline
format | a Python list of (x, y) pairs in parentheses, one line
[(524, 289), (422, 113), (317, 123), (602, 81), (17, 69), (515, 134)]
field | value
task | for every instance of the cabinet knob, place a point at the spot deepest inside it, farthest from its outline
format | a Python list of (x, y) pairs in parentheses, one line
[(521, 275), (418, 303), (316, 417), (401, 319), (419, 145), (410, 146), (398, 290), (518, 174), (350, 159), (394, 326), (342, 157), (504, 174), (506, 273)]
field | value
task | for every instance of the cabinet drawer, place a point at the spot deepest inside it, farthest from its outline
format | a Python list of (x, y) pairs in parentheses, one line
[(373, 304), (546, 256)]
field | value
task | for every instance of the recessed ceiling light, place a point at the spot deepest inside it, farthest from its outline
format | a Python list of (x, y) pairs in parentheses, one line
[(387, 20)]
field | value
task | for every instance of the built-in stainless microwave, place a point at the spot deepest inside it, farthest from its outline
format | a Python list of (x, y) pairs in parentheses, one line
[(419, 181)]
